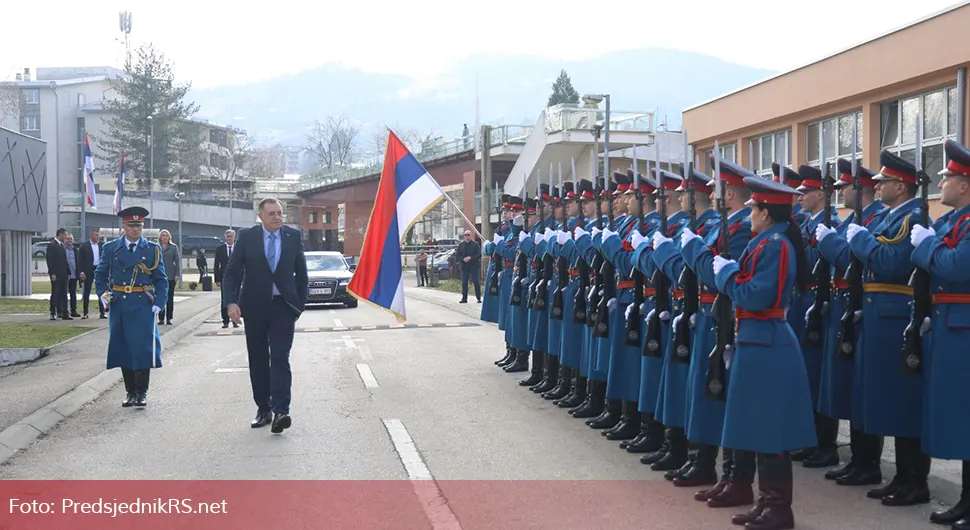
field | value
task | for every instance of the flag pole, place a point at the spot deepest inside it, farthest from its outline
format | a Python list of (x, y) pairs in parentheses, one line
[(470, 224)]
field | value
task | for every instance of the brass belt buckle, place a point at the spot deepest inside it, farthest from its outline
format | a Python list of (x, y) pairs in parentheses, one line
[(127, 289)]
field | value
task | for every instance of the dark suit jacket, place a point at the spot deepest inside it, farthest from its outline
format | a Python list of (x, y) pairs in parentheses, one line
[(85, 258), (470, 249), (222, 260), (57, 260), (248, 280)]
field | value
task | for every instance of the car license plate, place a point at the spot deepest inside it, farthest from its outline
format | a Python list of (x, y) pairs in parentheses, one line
[(325, 290)]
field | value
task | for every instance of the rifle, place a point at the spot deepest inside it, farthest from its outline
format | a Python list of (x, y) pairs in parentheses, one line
[(633, 315), (562, 263), (853, 274), (608, 275), (579, 301), (543, 291), (823, 276), (688, 278), (521, 262), (716, 377), (652, 346), (920, 279), (534, 288)]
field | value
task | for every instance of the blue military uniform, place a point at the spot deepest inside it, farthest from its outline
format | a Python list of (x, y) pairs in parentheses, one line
[(506, 247), (840, 389), (944, 253), (767, 368), (490, 303), (131, 281), (892, 400), (517, 325)]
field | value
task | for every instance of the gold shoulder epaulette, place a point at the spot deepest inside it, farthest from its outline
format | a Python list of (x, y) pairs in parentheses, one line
[(900, 236)]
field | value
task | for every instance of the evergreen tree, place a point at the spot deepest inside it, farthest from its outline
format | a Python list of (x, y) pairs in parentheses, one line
[(563, 91), (148, 88)]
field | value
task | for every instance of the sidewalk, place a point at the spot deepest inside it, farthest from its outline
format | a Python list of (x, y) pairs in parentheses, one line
[(28, 387), (945, 475)]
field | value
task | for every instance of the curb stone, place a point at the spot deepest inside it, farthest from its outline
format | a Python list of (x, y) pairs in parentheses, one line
[(23, 433), (945, 488), (26, 355)]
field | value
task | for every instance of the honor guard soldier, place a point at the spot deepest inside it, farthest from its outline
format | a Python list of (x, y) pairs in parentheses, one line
[(505, 250), (893, 398), (944, 253), (491, 300), (134, 289), (841, 391), (767, 371)]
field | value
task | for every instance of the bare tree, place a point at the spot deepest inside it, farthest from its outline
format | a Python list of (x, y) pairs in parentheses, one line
[(10, 100), (267, 162), (411, 138), (334, 142)]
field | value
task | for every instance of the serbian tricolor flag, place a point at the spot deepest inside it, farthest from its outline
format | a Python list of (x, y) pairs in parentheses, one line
[(90, 196), (405, 193)]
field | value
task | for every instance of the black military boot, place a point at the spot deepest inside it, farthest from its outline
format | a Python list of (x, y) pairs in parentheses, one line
[(775, 484), (674, 473), (962, 524), (538, 360), (629, 427), (703, 471), (596, 403), (962, 508), (129, 377), (141, 387), (508, 361), (853, 462), (577, 389), (867, 455), (549, 377), (610, 416), (520, 364), (676, 455), (652, 438), (727, 461), (509, 354), (914, 490), (827, 452), (739, 490), (562, 385)]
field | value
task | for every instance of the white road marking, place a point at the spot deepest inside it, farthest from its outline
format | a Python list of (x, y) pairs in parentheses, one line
[(228, 370), (349, 342), (367, 376), (338, 323), (433, 502)]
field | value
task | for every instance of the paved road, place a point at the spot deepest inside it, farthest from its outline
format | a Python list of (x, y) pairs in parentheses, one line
[(372, 403)]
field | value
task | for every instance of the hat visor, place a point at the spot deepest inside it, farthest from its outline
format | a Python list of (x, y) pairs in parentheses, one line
[(947, 173), (882, 177), (750, 202), (803, 188)]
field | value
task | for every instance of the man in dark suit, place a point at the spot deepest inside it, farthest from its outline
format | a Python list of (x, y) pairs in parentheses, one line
[(88, 259), (222, 260), (469, 256), (58, 270), (266, 282)]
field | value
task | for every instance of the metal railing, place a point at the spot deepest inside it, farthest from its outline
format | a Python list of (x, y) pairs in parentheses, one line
[(571, 117)]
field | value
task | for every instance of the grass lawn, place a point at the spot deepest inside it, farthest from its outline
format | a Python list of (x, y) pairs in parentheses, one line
[(25, 336), (23, 305), (450, 285), (43, 286)]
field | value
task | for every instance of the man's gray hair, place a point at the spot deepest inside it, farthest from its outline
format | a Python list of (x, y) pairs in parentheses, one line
[(268, 200), (230, 231)]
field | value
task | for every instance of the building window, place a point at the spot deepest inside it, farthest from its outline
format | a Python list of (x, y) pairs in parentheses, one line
[(728, 152), (939, 114), (31, 95), (30, 123), (326, 218), (81, 100), (313, 218), (835, 136), (775, 147)]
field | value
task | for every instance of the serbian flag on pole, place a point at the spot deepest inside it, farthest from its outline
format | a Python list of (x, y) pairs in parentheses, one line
[(120, 185), (405, 193), (89, 174)]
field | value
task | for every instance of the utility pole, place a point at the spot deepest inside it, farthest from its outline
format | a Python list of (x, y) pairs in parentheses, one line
[(484, 144)]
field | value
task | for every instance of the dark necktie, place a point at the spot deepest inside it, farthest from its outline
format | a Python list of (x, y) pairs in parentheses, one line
[(131, 248)]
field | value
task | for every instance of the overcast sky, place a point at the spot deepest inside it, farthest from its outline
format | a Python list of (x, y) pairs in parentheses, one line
[(218, 42)]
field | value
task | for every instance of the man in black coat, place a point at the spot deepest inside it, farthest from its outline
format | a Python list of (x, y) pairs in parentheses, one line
[(58, 270), (266, 283), (223, 252), (469, 256), (88, 258)]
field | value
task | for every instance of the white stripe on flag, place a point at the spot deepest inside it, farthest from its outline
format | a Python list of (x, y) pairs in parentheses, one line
[(397, 304), (415, 200)]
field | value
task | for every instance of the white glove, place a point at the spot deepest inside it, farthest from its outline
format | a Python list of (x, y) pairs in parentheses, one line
[(918, 234), (548, 234), (562, 237), (596, 230), (720, 262), (156, 310), (496, 238), (607, 233), (686, 235), (665, 316), (857, 317), (637, 239), (518, 220), (821, 231), (650, 315), (852, 231), (659, 239), (579, 232), (925, 327), (642, 307), (610, 304), (630, 309), (104, 300), (523, 235), (693, 320)]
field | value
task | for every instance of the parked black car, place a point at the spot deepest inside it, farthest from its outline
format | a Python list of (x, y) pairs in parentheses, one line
[(329, 275)]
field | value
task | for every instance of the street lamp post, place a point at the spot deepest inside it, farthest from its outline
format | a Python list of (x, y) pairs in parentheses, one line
[(594, 99), (179, 196), (151, 172)]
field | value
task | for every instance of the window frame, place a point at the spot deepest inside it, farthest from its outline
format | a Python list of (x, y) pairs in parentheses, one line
[(771, 137)]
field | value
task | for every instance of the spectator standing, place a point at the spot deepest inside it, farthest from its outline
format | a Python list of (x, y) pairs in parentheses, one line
[(57, 270), (469, 255), (422, 269), (73, 272), (172, 258), (222, 261), (88, 258)]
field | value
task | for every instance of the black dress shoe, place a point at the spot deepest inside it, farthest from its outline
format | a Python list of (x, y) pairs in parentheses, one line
[(679, 472), (840, 471), (962, 524), (861, 477), (951, 516), (129, 400), (696, 476), (141, 399), (822, 458), (734, 494), (262, 419), (886, 490), (773, 518), (705, 495), (742, 519), (908, 495), (280, 423)]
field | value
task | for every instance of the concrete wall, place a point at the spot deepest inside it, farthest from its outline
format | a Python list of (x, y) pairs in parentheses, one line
[(15, 263)]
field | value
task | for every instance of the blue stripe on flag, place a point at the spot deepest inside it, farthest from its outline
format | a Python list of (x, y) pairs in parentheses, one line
[(389, 275), (407, 171)]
